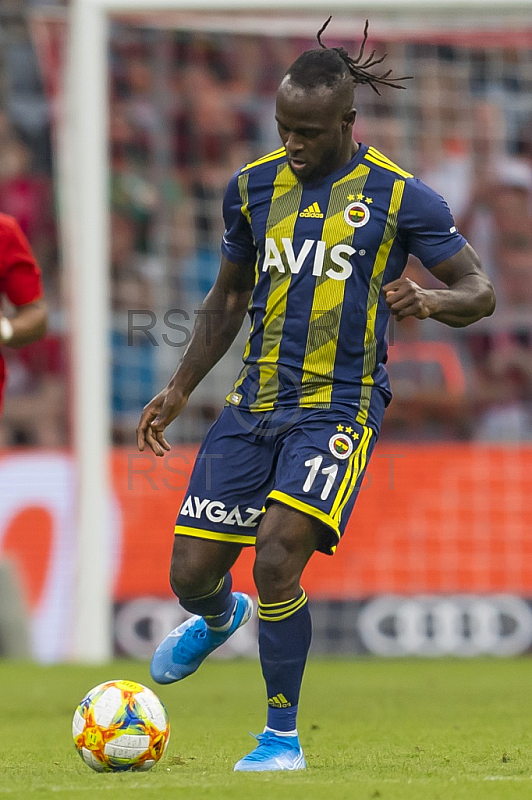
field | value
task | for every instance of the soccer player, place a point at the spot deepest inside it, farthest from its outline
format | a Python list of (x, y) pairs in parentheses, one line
[(20, 282), (317, 237)]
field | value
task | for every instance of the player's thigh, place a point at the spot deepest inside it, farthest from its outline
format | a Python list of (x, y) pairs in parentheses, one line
[(232, 476), (321, 466)]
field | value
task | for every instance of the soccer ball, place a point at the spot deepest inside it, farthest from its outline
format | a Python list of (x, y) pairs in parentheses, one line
[(119, 726)]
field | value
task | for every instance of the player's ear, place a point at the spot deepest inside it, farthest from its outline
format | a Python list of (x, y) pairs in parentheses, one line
[(349, 119)]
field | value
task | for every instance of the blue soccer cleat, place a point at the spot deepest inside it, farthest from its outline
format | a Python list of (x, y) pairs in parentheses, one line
[(186, 647), (273, 752)]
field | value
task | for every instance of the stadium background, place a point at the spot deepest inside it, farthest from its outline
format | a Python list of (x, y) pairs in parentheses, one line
[(436, 558)]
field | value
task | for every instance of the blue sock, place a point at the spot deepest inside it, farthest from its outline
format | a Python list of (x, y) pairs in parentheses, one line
[(285, 631), (216, 607)]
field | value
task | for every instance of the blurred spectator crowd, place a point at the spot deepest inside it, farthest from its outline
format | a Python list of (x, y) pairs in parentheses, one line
[(35, 404), (186, 109)]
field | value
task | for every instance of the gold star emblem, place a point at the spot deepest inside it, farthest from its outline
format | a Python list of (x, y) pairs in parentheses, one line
[(356, 436), (349, 429), (369, 200), (350, 196), (339, 428), (360, 196)]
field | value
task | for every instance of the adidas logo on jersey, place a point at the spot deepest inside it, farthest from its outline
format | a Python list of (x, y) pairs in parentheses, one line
[(313, 211)]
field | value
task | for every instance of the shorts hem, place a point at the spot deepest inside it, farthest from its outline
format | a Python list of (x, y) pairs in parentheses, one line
[(311, 511), (215, 536)]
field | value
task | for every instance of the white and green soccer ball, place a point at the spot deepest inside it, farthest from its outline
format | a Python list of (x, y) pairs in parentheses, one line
[(120, 725)]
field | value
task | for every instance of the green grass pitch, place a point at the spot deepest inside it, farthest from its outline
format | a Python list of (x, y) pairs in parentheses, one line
[(371, 730)]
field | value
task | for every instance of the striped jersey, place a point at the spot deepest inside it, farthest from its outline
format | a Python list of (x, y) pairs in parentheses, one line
[(322, 251)]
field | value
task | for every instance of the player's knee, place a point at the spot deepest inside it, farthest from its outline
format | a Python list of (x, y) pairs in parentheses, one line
[(189, 579), (277, 568)]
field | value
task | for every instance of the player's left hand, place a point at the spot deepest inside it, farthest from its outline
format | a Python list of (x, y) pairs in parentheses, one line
[(405, 298)]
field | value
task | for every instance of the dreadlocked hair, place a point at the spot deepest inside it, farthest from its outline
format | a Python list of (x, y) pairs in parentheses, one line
[(330, 64)]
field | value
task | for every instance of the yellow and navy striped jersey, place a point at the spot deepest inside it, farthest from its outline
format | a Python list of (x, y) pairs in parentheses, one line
[(322, 251)]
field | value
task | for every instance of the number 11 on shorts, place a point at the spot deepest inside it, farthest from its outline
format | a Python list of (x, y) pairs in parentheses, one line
[(331, 471)]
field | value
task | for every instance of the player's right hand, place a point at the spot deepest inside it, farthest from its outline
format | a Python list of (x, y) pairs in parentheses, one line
[(156, 416)]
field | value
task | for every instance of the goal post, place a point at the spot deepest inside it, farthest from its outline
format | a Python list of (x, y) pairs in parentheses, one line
[(84, 190), (85, 219)]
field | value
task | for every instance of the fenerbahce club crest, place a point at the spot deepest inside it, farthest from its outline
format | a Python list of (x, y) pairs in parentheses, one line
[(340, 445), (356, 214)]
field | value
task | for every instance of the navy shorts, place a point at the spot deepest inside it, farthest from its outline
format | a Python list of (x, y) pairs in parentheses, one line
[(309, 459)]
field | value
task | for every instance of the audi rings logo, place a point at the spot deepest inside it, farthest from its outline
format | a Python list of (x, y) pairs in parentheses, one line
[(460, 625)]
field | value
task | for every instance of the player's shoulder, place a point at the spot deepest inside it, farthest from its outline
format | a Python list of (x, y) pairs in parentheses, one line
[(415, 193), (264, 163), (254, 178), (376, 160)]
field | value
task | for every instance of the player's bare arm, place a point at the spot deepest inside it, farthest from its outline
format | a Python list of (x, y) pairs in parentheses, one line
[(217, 324), (27, 325), (469, 295)]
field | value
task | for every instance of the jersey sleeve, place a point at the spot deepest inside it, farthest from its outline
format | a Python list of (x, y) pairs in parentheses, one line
[(238, 244), (20, 276), (426, 225)]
